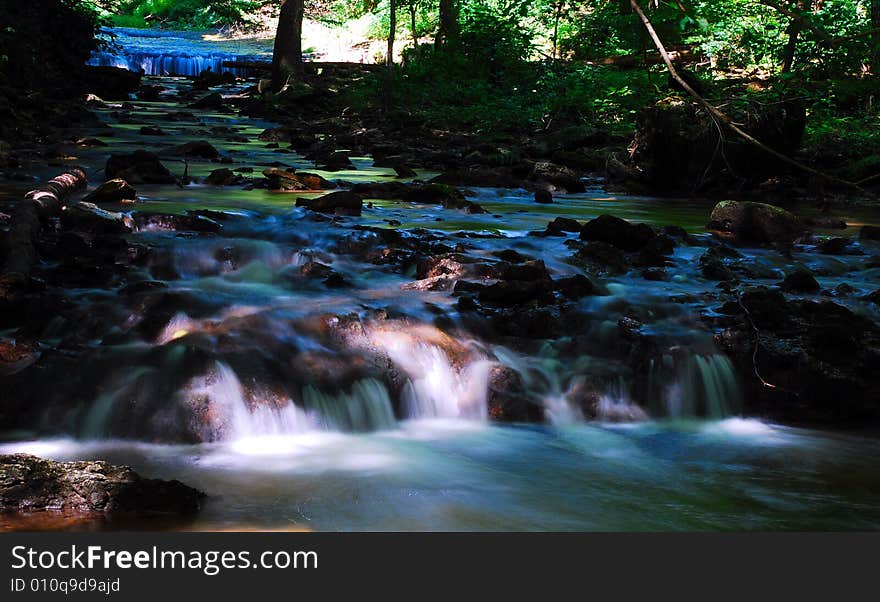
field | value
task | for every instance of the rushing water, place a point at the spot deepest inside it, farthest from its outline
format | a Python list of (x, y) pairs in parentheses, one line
[(344, 450), (160, 52)]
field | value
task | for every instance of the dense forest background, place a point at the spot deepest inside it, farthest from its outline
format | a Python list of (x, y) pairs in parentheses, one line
[(518, 66)]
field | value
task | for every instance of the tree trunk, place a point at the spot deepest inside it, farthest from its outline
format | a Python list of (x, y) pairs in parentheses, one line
[(20, 250), (412, 23), (556, 29), (794, 31), (389, 58), (722, 119), (875, 37), (448, 29), (287, 52)]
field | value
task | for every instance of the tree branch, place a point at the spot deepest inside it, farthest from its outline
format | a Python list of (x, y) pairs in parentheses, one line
[(721, 117)]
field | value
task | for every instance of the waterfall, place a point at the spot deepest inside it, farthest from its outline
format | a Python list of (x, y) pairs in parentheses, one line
[(436, 387), (366, 408), (169, 63), (705, 386)]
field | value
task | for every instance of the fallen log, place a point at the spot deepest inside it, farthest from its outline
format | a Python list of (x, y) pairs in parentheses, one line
[(19, 248)]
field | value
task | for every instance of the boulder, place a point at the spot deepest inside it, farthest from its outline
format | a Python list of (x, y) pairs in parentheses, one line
[(338, 203), (749, 222), (222, 177), (337, 161), (214, 100), (508, 397), (280, 179), (561, 225), (197, 148), (139, 167), (562, 178), (175, 223), (109, 82), (32, 484), (800, 281), (544, 197), (88, 217), (618, 233), (112, 191)]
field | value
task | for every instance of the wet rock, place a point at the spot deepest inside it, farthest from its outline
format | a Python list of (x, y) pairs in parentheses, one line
[(197, 148), (655, 275), (820, 359), (174, 223), (508, 397), (562, 178), (749, 222), (315, 269), (511, 256), (32, 484), (338, 203), (151, 130), (279, 179), (833, 246), (712, 266), (15, 356), (222, 177), (337, 161), (336, 280), (109, 82), (874, 297), (88, 217), (90, 142), (382, 190), (544, 197), (800, 281), (481, 177), (528, 271), (279, 134), (212, 101), (112, 191), (449, 197), (577, 286), (144, 286), (598, 257), (150, 93), (617, 232), (139, 167), (507, 293), (561, 225)]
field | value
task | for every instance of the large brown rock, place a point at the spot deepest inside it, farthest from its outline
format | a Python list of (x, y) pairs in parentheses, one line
[(29, 484), (749, 222), (338, 203), (139, 167), (280, 179), (112, 191)]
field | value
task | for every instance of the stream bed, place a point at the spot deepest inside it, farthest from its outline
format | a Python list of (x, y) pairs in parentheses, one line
[(343, 449)]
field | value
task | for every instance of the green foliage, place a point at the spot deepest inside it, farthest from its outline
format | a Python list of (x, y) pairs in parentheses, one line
[(186, 14), (46, 42)]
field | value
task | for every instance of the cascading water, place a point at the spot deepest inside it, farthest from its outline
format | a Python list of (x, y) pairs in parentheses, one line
[(435, 387), (157, 52)]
